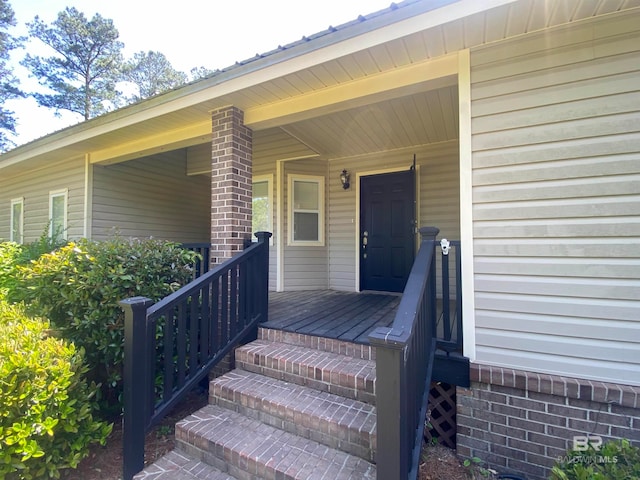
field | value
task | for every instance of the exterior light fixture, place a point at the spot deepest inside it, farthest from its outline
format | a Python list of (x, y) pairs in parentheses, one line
[(344, 178)]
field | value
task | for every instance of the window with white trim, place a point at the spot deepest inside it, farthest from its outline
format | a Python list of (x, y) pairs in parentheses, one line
[(58, 214), (306, 210), (262, 205), (17, 220)]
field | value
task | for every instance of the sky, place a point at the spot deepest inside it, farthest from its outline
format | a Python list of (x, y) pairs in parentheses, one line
[(209, 33)]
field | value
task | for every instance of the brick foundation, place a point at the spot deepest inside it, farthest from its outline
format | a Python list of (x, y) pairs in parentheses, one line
[(521, 422)]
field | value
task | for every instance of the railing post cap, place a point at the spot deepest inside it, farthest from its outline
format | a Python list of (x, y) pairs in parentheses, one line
[(133, 302), (263, 235), (429, 233)]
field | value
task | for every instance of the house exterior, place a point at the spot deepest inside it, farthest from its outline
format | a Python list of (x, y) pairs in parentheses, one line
[(524, 121)]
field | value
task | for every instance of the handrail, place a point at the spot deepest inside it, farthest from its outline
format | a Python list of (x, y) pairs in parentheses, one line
[(172, 345), (404, 364)]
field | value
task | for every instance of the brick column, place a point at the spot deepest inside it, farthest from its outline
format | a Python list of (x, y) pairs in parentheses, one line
[(231, 183)]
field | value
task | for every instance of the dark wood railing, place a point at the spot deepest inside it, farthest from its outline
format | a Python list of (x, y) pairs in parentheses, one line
[(404, 364), (171, 345), (202, 264)]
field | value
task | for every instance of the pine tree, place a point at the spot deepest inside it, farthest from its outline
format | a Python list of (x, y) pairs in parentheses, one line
[(87, 64), (9, 86)]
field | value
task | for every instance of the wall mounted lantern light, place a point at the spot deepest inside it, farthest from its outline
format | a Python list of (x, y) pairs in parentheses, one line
[(344, 178)]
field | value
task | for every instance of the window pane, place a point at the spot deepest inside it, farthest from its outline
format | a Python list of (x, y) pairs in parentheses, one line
[(260, 189), (305, 195), (261, 215), (305, 226), (57, 216)]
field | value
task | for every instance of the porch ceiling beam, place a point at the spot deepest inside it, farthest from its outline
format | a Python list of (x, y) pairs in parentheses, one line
[(194, 134), (400, 82)]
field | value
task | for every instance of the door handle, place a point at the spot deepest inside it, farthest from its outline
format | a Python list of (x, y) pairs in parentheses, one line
[(365, 241)]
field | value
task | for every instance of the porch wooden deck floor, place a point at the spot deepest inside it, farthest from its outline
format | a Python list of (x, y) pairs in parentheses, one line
[(326, 313)]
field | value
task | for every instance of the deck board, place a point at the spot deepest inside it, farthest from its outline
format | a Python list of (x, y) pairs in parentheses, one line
[(326, 313), (348, 316)]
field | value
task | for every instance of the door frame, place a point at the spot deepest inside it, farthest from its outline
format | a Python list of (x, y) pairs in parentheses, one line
[(380, 171)]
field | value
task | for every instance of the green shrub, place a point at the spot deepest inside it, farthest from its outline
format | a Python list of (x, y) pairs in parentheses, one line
[(46, 407), (616, 459), (13, 254), (78, 286)]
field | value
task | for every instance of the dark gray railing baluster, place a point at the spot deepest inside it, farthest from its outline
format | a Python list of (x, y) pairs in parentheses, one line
[(181, 338), (446, 318), (168, 339), (458, 297), (202, 265)]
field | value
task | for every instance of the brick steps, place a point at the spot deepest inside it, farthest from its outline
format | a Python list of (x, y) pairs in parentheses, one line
[(296, 407), (335, 421)]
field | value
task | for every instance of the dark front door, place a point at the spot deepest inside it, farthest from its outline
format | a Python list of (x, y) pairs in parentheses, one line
[(387, 230)]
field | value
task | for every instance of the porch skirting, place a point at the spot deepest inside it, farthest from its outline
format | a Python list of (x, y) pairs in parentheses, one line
[(521, 422)]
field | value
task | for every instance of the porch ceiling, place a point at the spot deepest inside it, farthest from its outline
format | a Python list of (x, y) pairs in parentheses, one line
[(419, 119)]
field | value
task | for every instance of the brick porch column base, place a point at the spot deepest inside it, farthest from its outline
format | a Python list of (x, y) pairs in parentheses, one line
[(521, 422)]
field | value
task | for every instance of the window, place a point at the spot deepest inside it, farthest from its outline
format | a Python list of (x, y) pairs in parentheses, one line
[(58, 215), (262, 205), (306, 210), (17, 220)]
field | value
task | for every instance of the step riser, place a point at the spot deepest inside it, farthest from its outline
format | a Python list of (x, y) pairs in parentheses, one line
[(363, 352)]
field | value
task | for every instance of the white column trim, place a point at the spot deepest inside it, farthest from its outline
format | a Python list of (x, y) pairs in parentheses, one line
[(466, 205), (88, 197)]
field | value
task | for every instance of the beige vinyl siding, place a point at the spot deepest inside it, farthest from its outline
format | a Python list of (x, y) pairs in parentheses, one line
[(556, 201), (305, 267), (152, 197), (439, 203), (34, 186)]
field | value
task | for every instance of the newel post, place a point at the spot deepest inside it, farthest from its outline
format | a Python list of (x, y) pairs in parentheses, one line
[(391, 404), (263, 238), (136, 380)]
